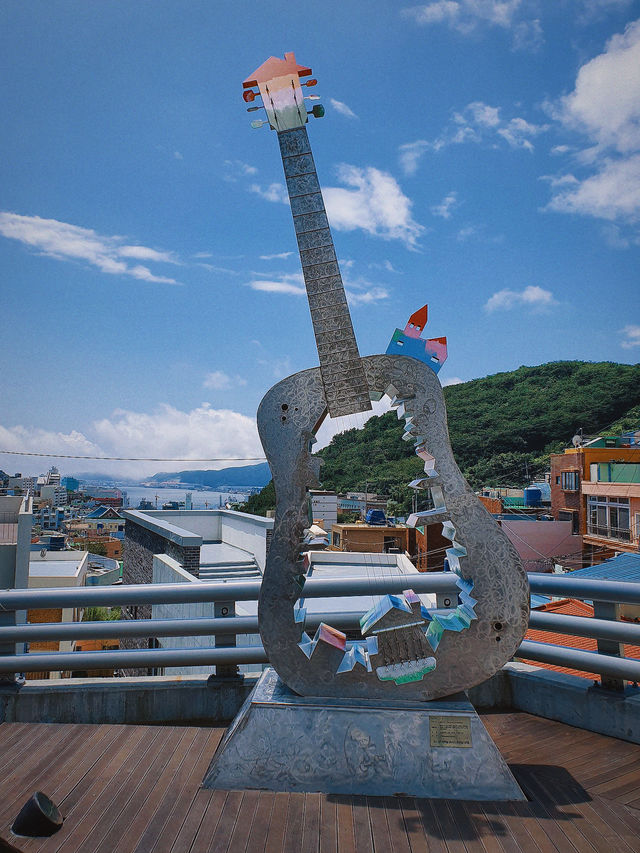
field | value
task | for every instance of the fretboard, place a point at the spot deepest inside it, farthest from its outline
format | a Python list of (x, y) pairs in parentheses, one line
[(343, 377)]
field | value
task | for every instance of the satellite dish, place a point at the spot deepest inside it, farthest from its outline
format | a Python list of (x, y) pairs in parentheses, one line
[(576, 440)]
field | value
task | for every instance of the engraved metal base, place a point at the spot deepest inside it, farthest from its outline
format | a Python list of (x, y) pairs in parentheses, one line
[(283, 742)]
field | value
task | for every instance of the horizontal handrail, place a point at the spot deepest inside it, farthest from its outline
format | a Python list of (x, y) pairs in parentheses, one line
[(580, 626), (561, 586), (40, 631), (132, 658), (608, 665), (185, 593)]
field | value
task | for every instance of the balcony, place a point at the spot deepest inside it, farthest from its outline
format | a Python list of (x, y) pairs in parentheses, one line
[(618, 534)]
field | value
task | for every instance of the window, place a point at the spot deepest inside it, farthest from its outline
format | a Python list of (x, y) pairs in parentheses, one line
[(567, 515), (336, 540), (570, 481), (609, 518)]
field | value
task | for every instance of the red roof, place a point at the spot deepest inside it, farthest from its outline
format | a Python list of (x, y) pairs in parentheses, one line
[(275, 67), (570, 607)]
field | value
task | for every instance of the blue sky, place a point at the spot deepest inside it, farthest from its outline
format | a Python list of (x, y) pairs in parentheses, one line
[(479, 155)]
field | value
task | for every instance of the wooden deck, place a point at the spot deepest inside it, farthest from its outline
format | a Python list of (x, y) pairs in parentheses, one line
[(136, 788)]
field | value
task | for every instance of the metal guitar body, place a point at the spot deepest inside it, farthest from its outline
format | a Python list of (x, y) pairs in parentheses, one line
[(287, 418)]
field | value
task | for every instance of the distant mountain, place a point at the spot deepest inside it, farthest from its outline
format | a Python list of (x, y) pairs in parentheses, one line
[(248, 475), (502, 429)]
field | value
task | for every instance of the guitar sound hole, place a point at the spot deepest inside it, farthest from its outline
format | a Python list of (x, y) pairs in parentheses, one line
[(497, 626), (284, 407)]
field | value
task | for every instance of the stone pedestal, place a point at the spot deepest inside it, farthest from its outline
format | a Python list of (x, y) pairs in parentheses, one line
[(283, 742)]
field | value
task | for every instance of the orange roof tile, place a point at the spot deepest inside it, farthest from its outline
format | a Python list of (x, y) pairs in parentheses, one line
[(570, 607)]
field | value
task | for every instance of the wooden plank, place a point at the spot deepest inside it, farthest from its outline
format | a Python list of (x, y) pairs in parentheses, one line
[(65, 776), (464, 827), (432, 829), (413, 825), (396, 824), (328, 825), (379, 825), (361, 825), (346, 827), (201, 842), (295, 820), (521, 818), (277, 824), (310, 841), (171, 813), (192, 820), (155, 827), (20, 784), (88, 805), (240, 837), (135, 808), (556, 822), (489, 831), (224, 830), (261, 822)]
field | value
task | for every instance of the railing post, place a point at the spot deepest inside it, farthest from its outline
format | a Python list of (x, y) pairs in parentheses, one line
[(609, 610), (225, 609)]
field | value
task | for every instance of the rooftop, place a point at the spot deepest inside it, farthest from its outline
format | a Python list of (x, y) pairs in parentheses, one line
[(128, 789)]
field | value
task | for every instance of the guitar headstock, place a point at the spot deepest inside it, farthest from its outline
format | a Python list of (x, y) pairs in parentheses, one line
[(279, 86)]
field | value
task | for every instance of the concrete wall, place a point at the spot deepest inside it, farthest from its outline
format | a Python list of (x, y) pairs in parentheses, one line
[(166, 570), (248, 532)]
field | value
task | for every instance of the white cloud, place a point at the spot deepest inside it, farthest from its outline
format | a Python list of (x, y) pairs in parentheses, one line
[(631, 337), (611, 193), (142, 253), (167, 433), (452, 380), (342, 108), (291, 284), (605, 108), (218, 380), (274, 192), (67, 242), (281, 256), (478, 123), (446, 206), (373, 202), (531, 297), (334, 426), (177, 155), (465, 15), (235, 169), (411, 154), (367, 295)]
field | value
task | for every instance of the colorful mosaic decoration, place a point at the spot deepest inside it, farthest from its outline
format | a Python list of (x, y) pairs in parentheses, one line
[(408, 341)]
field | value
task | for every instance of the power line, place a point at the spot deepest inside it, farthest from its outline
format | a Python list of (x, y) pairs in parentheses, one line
[(135, 458)]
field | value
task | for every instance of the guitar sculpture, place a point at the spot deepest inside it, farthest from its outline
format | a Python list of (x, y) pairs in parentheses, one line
[(407, 651)]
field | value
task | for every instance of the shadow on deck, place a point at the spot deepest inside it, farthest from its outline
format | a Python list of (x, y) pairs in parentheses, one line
[(137, 788)]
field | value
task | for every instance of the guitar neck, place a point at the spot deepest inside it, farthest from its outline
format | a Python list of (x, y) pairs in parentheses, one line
[(343, 376)]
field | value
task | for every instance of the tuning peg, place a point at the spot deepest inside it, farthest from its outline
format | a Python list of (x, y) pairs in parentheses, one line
[(249, 95), (311, 82), (253, 109), (317, 111), (312, 97), (257, 123)]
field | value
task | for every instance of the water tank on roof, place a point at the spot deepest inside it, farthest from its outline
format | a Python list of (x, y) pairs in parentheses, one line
[(532, 496)]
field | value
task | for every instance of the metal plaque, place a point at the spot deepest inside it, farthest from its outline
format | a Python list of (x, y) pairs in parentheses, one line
[(450, 731)]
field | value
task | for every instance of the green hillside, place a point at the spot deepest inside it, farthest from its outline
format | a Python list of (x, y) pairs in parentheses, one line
[(502, 428)]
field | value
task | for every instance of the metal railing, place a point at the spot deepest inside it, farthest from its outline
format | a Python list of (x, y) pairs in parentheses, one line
[(607, 630), (620, 534)]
